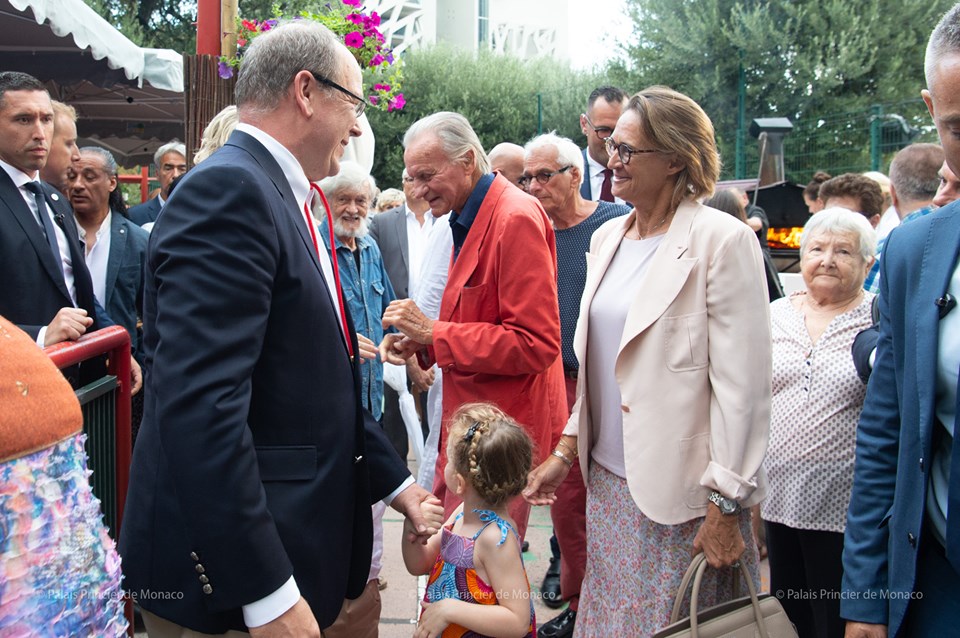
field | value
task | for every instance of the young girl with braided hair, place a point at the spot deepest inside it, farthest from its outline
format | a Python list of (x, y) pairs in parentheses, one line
[(477, 584)]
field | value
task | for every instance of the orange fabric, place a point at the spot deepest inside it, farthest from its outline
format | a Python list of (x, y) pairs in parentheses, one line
[(498, 335), (37, 405)]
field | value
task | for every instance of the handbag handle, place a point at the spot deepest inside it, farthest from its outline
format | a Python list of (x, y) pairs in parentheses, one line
[(695, 571)]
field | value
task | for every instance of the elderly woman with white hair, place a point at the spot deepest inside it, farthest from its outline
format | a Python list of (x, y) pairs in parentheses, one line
[(817, 398)]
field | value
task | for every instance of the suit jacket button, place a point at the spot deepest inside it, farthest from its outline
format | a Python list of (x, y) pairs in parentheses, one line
[(208, 589), (911, 539), (204, 579), (194, 556), (199, 568), (921, 463)]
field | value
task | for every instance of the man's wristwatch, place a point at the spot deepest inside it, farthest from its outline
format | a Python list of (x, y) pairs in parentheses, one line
[(728, 506)]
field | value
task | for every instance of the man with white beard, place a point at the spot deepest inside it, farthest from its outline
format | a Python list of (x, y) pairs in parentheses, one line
[(366, 292)]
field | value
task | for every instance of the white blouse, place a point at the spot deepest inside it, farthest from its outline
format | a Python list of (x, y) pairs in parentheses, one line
[(608, 315), (817, 398)]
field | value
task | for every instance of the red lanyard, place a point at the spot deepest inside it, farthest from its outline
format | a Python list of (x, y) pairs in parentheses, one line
[(333, 257)]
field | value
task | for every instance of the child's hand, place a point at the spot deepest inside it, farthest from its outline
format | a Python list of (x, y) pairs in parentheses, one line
[(433, 620)]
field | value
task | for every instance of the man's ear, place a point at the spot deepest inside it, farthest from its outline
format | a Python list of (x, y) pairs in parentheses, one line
[(302, 89)]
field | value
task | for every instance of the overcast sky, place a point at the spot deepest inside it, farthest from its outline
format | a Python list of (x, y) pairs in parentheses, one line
[(594, 26)]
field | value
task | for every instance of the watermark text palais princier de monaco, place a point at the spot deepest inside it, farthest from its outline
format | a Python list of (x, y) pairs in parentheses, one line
[(837, 594), (134, 595)]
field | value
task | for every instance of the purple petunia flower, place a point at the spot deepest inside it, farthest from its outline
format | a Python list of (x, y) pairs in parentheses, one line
[(374, 18), (381, 87), (373, 99), (268, 24), (224, 70), (376, 60), (355, 18), (390, 58), (397, 103), (353, 3), (353, 39)]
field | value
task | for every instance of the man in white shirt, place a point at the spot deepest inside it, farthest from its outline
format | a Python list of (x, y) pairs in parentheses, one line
[(604, 107), (114, 247), (256, 466)]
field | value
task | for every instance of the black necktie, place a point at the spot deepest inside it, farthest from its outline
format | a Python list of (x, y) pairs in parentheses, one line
[(51, 234)]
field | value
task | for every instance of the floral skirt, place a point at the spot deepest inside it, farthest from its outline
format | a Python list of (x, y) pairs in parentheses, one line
[(634, 566), (59, 569)]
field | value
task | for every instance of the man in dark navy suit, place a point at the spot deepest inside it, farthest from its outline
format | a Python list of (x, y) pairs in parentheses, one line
[(171, 162), (604, 107), (46, 288), (255, 466), (901, 555)]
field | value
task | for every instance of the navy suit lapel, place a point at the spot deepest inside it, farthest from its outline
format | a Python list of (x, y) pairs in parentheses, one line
[(939, 258), (118, 250), (585, 189), (272, 170), (10, 196)]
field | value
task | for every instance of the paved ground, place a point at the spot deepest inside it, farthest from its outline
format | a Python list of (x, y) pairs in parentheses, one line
[(401, 599)]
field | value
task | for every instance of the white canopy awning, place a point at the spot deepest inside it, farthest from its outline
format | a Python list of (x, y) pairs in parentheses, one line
[(73, 28), (128, 98)]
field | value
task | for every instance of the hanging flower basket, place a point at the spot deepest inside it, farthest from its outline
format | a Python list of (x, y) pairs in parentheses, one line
[(358, 30)]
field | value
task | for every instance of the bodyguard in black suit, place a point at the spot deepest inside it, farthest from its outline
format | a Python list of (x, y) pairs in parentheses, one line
[(255, 466), (46, 287)]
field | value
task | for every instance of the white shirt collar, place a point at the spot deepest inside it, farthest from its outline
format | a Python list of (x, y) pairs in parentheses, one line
[(595, 166), (19, 177), (104, 227), (289, 165)]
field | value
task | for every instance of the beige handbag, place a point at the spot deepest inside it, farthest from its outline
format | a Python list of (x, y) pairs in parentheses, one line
[(745, 617)]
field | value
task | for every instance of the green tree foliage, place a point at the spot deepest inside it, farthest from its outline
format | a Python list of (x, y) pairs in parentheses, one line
[(496, 93), (161, 24), (803, 59)]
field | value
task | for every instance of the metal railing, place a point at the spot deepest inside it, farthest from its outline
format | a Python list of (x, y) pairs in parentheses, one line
[(106, 415)]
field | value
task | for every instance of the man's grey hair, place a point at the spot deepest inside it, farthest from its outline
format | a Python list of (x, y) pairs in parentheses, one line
[(568, 153), (351, 175), (840, 220), (456, 136), (915, 172), (109, 162), (174, 147), (274, 58), (944, 40)]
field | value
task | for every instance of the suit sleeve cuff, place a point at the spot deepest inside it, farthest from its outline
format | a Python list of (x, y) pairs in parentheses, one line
[(388, 499), (273, 606)]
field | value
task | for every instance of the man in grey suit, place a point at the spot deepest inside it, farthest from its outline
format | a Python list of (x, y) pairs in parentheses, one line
[(401, 233)]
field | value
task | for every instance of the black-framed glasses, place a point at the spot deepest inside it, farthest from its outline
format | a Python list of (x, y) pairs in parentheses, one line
[(543, 178), (361, 104), (624, 151), (603, 132)]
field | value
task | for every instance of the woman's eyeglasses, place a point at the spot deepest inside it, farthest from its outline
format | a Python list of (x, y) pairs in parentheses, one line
[(624, 151)]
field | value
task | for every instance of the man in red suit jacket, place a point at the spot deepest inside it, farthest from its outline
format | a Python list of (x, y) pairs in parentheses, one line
[(498, 335)]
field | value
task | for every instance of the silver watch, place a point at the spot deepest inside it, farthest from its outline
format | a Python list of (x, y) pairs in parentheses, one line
[(728, 506)]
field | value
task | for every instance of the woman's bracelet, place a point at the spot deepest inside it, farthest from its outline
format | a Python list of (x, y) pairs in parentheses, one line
[(563, 457), (572, 451)]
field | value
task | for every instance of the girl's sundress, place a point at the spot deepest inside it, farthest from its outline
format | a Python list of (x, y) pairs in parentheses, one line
[(454, 574)]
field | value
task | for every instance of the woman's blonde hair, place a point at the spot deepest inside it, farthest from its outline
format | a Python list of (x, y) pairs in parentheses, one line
[(217, 133), (675, 124), (491, 451)]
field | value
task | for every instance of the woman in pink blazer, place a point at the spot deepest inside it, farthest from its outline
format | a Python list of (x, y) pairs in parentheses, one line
[(672, 416)]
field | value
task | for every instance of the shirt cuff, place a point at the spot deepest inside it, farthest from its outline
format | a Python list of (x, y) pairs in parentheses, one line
[(273, 606), (41, 336), (388, 499), (873, 357)]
